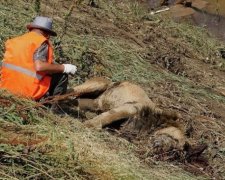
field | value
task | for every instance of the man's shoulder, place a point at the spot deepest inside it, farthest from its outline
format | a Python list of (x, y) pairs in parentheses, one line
[(41, 52), (21, 37)]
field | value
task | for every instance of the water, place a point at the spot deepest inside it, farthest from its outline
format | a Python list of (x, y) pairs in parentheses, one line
[(212, 17), (209, 14), (216, 7)]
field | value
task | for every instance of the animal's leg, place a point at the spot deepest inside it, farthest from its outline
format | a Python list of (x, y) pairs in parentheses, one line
[(87, 104), (92, 86), (113, 115)]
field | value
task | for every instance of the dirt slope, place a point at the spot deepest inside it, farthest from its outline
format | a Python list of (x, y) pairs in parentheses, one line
[(178, 65)]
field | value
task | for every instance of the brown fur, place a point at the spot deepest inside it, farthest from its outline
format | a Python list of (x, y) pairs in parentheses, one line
[(127, 100), (168, 138)]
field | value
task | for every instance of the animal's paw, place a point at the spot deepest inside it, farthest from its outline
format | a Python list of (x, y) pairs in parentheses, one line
[(91, 124)]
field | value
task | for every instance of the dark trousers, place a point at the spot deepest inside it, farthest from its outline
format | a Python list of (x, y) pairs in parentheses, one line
[(58, 84)]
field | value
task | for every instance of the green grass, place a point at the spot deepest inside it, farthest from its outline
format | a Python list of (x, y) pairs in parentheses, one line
[(73, 151)]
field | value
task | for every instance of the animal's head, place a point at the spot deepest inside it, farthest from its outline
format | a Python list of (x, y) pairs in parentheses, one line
[(171, 143), (170, 133), (168, 139)]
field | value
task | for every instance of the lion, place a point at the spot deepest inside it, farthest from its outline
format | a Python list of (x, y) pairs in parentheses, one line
[(125, 100)]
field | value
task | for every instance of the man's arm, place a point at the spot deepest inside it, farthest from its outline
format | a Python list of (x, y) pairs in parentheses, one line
[(40, 61), (42, 66)]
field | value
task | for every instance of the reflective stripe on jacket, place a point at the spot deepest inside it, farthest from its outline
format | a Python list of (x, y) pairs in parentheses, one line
[(18, 73)]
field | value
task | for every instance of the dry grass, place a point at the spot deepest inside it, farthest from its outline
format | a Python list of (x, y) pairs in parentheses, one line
[(119, 40), (70, 150)]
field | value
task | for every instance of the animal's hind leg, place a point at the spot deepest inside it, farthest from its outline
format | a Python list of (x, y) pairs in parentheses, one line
[(92, 86), (87, 104), (113, 115)]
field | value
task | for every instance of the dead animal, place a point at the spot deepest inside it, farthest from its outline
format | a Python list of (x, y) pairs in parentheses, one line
[(125, 100)]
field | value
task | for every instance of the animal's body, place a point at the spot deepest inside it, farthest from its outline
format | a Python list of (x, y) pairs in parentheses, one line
[(126, 100)]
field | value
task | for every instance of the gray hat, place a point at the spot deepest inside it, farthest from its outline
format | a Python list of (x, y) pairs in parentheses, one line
[(43, 23)]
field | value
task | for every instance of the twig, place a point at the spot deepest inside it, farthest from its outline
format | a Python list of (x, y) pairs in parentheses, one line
[(41, 171), (51, 100), (10, 109), (178, 108), (68, 174), (33, 176), (8, 176), (159, 11)]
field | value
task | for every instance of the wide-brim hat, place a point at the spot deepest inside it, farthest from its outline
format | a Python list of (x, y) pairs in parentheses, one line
[(43, 23)]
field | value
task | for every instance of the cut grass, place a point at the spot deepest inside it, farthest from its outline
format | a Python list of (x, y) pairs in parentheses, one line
[(72, 151)]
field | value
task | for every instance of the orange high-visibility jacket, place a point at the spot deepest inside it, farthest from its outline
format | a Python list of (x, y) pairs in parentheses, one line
[(18, 73)]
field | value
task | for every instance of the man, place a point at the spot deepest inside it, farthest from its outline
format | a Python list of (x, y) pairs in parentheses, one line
[(28, 68)]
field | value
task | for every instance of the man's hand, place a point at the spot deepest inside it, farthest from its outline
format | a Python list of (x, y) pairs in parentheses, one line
[(69, 68)]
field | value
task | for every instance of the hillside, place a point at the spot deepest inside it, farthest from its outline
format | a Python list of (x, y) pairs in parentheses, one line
[(178, 65)]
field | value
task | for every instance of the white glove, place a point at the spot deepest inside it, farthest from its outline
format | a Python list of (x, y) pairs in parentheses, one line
[(69, 68)]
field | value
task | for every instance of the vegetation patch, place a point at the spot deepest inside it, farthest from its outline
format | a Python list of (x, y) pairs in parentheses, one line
[(177, 64)]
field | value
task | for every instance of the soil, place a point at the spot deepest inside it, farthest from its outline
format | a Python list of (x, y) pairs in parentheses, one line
[(203, 117)]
